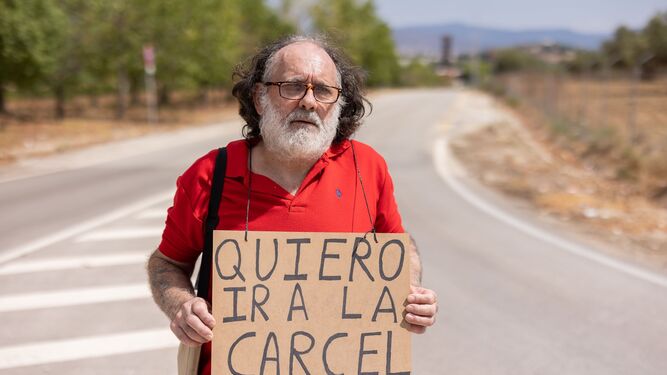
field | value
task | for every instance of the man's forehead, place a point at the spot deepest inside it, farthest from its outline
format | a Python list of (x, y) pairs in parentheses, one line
[(305, 58)]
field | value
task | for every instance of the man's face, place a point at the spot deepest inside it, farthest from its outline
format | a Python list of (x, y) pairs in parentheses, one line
[(298, 129)]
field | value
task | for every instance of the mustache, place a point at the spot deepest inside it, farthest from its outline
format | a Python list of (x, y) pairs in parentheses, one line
[(300, 114)]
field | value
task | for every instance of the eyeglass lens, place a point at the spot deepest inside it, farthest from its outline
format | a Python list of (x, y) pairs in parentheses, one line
[(297, 90)]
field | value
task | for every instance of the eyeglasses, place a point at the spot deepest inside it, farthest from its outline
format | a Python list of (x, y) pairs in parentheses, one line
[(297, 90)]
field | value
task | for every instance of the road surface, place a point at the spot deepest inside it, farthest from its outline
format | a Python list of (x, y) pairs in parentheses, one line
[(516, 297)]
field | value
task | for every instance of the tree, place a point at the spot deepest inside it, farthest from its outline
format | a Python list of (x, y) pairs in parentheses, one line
[(119, 35), (585, 61), (655, 34), (626, 47), (69, 59), (514, 59), (30, 35), (95, 46), (417, 73), (215, 43), (362, 34), (265, 24)]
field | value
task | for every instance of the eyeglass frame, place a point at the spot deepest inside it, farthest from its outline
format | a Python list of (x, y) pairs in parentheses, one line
[(309, 86)]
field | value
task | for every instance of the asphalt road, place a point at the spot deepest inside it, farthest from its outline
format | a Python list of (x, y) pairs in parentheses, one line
[(514, 298)]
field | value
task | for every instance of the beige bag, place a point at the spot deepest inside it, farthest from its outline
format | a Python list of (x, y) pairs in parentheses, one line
[(188, 359)]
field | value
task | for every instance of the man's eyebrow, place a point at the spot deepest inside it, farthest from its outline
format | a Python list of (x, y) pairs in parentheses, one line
[(301, 79), (293, 78)]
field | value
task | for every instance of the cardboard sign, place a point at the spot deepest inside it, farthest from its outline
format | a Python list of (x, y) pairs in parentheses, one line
[(310, 303)]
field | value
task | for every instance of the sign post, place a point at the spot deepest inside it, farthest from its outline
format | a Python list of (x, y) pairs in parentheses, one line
[(151, 87), (310, 303)]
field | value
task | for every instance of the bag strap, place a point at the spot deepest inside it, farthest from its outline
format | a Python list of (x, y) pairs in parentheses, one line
[(212, 219)]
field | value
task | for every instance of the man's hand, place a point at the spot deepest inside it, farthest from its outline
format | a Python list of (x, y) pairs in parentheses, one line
[(193, 323), (421, 309), (172, 290)]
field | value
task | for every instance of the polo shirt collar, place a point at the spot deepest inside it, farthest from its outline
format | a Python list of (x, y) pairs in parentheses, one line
[(336, 149), (237, 152)]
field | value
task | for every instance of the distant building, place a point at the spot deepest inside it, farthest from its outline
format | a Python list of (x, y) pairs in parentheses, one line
[(446, 58), (446, 67), (548, 52)]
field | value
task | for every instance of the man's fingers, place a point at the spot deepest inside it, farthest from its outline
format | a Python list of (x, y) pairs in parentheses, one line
[(416, 329), (429, 298), (419, 320), (193, 335), (200, 309), (197, 326), (420, 290), (423, 310), (182, 336)]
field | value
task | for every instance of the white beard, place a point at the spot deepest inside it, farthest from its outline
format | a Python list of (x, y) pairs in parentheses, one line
[(296, 142)]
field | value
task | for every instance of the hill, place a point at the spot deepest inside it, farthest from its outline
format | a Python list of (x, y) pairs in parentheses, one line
[(426, 40)]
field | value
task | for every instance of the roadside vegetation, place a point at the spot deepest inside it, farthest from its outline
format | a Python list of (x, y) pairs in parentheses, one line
[(607, 109), (582, 137), (69, 67)]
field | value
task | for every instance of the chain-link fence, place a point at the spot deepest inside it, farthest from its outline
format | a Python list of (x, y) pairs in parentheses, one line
[(612, 112)]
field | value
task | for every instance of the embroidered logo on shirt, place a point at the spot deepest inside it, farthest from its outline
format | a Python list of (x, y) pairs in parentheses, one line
[(339, 193)]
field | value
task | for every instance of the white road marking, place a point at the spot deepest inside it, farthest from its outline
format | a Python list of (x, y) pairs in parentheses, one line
[(73, 297), (121, 234), (69, 263), (85, 226), (117, 150), (445, 163), (155, 213), (86, 347)]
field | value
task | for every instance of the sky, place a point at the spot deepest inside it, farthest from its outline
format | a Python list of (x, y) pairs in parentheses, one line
[(589, 16)]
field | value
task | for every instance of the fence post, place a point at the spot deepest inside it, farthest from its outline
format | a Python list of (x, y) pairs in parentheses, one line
[(607, 80), (632, 100)]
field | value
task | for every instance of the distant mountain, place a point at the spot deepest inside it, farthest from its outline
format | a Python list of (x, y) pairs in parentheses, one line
[(426, 40)]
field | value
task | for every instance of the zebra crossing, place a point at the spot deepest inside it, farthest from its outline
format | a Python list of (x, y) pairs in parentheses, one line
[(78, 301)]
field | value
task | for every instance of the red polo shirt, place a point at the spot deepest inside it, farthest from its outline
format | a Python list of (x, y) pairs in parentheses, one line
[(330, 199)]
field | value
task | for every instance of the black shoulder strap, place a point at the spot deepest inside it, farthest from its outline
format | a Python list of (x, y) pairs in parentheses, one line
[(211, 223)]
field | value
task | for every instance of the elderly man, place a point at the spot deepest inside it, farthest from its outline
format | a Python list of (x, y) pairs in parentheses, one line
[(296, 170)]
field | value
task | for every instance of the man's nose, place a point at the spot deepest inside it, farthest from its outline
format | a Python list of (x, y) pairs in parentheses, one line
[(308, 101)]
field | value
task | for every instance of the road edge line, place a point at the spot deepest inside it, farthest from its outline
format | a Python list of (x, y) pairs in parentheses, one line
[(443, 160), (57, 351), (43, 242)]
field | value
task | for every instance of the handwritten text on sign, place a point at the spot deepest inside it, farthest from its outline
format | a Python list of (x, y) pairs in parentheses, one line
[(310, 303)]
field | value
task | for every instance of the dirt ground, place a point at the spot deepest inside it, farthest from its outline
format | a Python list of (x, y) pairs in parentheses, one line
[(519, 159), (32, 131), (616, 125)]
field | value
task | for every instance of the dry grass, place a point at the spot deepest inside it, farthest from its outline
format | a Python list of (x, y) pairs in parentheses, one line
[(616, 126), (566, 189), (31, 130)]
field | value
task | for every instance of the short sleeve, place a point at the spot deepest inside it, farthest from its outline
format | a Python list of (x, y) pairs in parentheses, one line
[(182, 238), (388, 219), (183, 235)]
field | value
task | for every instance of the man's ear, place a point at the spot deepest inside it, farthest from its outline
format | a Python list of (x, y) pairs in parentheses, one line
[(256, 92)]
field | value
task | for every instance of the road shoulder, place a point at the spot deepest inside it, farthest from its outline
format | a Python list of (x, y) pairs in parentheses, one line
[(496, 152)]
